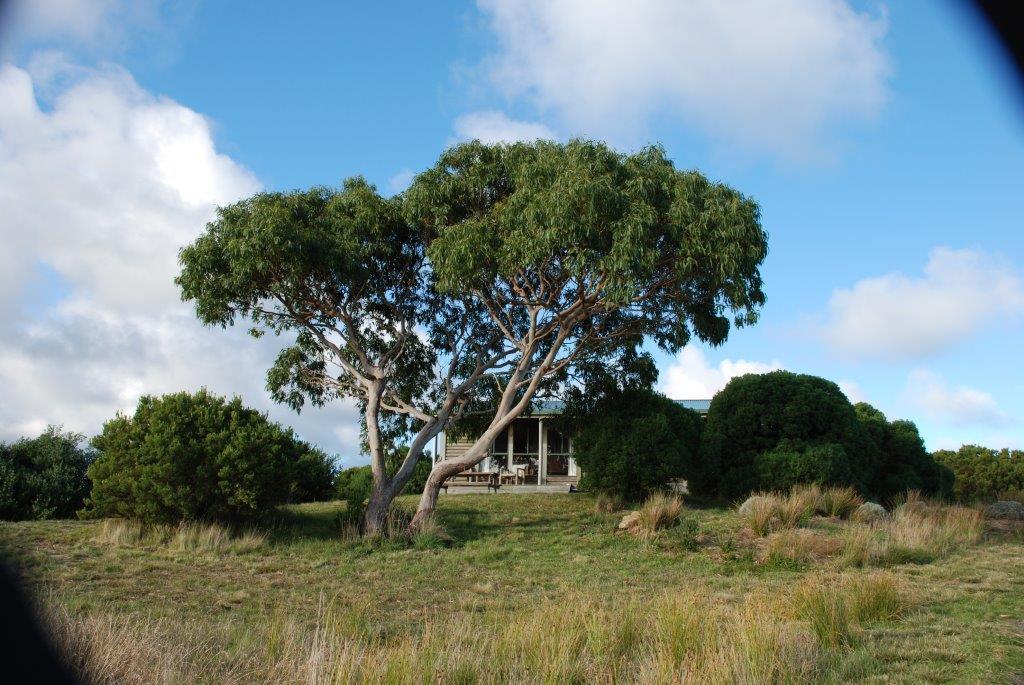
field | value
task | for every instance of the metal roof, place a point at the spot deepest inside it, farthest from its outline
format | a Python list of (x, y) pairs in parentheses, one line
[(550, 407)]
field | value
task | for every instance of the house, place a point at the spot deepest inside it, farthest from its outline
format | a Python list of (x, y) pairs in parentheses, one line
[(532, 455)]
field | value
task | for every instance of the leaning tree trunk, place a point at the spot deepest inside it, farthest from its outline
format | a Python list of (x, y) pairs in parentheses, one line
[(375, 519)]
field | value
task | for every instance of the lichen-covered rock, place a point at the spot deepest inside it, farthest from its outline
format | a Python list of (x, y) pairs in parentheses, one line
[(868, 512), (629, 520), (751, 502), (1005, 509)]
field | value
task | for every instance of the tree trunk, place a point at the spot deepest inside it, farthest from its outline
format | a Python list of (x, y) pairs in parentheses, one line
[(375, 519)]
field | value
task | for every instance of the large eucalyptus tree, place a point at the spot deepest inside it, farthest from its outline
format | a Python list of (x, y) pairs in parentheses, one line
[(575, 251)]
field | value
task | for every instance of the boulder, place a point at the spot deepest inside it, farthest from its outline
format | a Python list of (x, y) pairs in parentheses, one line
[(629, 520), (1005, 509), (869, 512)]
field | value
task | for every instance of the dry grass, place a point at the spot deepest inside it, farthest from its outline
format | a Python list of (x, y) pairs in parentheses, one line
[(192, 537), (760, 512), (675, 637), (834, 606), (796, 509), (838, 502), (608, 504), (917, 532), (658, 512), (800, 545)]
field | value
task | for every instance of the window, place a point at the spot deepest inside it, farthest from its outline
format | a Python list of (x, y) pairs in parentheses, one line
[(558, 443), (525, 440)]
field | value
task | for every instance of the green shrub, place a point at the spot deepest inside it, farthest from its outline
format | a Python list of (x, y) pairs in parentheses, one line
[(905, 464), (784, 428), (313, 477), (982, 473), (197, 457), (44, 477), (792, 464), (353, 486), (632, 442)]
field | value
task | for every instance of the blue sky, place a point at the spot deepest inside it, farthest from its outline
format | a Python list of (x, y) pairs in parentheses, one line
[(883, 141)]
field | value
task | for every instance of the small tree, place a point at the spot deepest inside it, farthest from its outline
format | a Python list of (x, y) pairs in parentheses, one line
[(634, 441), (196, 457), (44, 477)]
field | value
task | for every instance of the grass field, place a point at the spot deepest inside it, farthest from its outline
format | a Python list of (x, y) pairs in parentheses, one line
[(530, 588)]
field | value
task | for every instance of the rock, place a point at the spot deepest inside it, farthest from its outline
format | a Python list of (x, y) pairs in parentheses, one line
[(1005, 509), (629, 520), (869, 512), (750, 503)]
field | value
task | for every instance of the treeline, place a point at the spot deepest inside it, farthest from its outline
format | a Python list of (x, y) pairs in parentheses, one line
[(770, 432), (179, 457)]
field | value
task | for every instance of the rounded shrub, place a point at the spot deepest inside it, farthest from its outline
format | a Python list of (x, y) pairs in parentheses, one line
[(633, 442), (44, 477), (198, 457), (774, 430)]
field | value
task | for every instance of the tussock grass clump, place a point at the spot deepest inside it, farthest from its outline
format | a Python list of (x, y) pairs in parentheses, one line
[(658, 512), (188, 536), (838, 501), (800, 546), (605, 503), (918, 533), (760, 511), (834, 606), (796, 509)]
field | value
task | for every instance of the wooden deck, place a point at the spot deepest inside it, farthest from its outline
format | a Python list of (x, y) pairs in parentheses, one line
[(549, 488)]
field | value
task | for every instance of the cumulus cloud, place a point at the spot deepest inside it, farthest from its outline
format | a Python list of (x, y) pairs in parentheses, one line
[(100, 190), (496, 127), (953, 405), (400, 181), (106, 23), (898, 317), (768, 75), (692, 377), (852, 390)]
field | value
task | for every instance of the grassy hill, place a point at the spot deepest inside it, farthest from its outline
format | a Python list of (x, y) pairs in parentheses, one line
[(529, 588)]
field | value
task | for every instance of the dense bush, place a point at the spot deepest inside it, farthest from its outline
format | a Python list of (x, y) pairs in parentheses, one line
[(906, 464), (983, 473), (43, 477), (773, 430), (199, 457), (632, 442), (313, 477)]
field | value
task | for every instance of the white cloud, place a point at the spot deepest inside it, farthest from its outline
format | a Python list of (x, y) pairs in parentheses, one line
[(496, 127), (769, 75), (898, 317), (852, 390), (953, 405), (692, 377), (106, 23), (400, 181), (99, 192)]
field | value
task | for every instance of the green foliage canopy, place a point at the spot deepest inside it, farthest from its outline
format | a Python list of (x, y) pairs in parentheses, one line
[(905, 464), (200, 457), (769, 431), (634, 441), (983, 473), (44, 477)]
